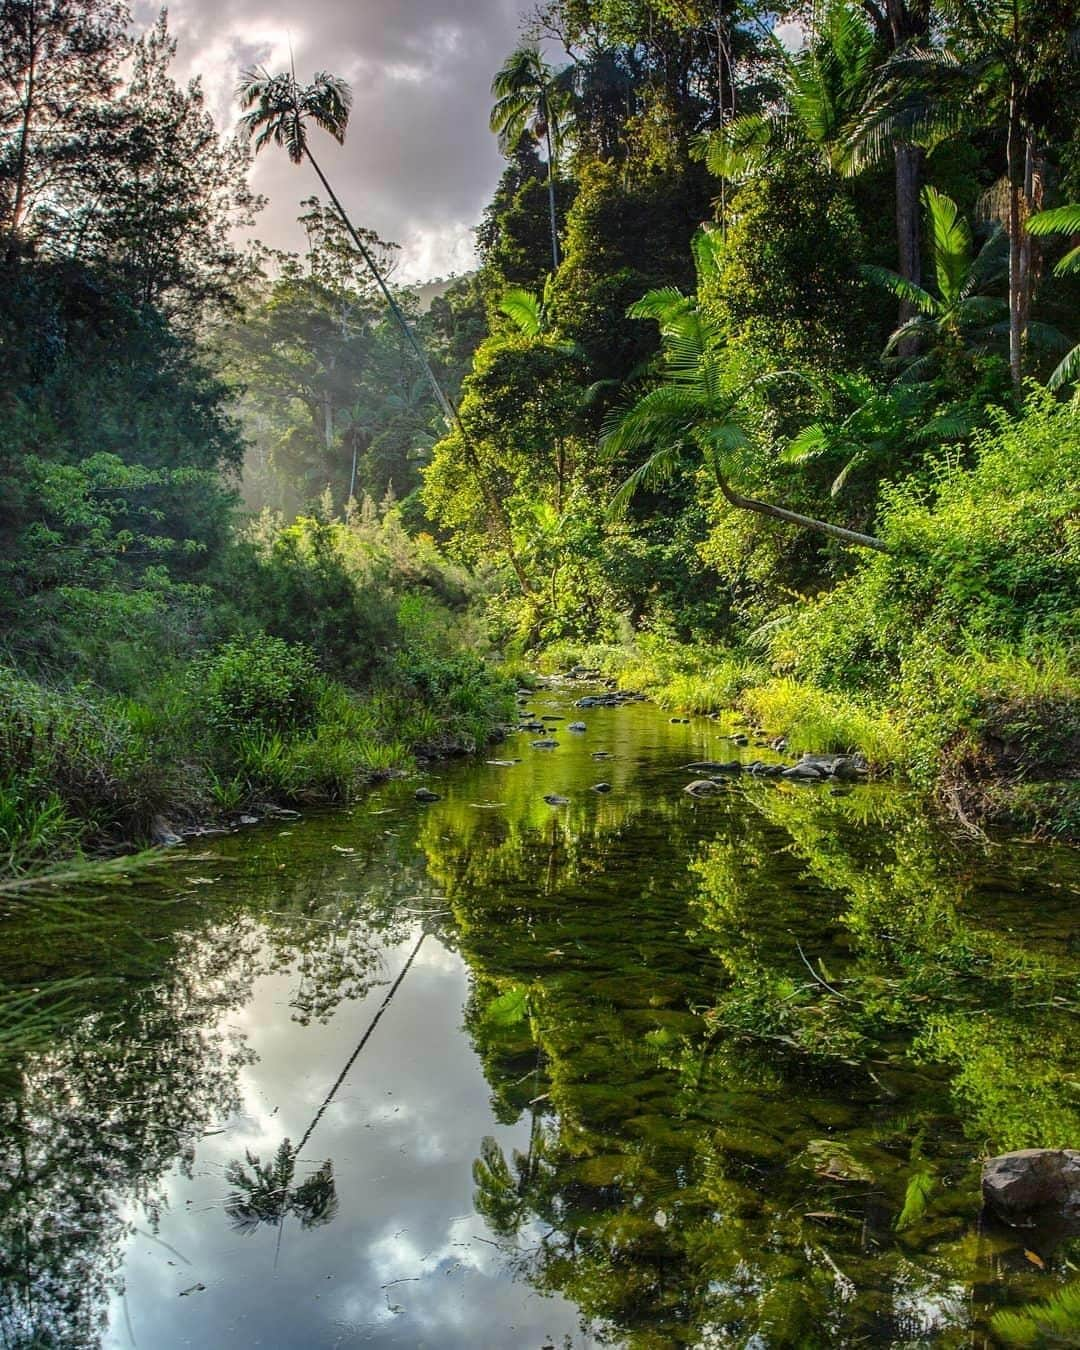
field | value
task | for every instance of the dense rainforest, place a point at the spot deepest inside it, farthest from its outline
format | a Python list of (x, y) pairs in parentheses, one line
[(762, 395)]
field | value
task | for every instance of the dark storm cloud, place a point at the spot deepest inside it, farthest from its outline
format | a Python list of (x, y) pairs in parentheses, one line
[(419, 163)]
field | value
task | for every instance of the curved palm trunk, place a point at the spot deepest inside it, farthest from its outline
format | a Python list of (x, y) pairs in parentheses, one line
[(446, 404), (795, 518)]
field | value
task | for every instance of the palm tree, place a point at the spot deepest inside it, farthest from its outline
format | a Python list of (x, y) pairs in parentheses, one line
[(822, 88), (958, 314), (1006, 62), (278, 109), (532, 97), (1062, 220), (695, 409)]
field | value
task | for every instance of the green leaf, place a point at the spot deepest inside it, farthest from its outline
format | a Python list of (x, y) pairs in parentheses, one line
[(508, 1009), (919, 1189)]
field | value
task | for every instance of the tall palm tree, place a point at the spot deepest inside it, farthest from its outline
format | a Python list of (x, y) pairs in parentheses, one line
[(532, 97), (695, 409), (278, 110)]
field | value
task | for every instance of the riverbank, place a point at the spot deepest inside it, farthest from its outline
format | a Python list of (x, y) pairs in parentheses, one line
[(248, 725), (1001, 751)]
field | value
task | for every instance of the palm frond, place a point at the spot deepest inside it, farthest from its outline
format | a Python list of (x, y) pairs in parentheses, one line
[(659, 304), (668, 412), (950, 240), (523, 310), (903, 289), (1058, 220), (1068, 371), (809, 443), (1069, 264), (658, 468)]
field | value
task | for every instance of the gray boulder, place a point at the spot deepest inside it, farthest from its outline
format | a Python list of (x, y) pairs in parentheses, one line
[(1032, 1183)]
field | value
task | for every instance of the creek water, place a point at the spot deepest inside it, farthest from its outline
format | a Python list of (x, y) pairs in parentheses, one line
[(635, 1070)]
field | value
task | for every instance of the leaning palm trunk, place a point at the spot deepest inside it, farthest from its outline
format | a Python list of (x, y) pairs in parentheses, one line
[(736, 499), (446, 404)]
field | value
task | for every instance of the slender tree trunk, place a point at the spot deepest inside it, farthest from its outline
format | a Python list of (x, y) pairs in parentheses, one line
[(1015, 168), (908, 161), (22, 164), (794, 518), (551, 194), (1029, 245), (449, 410)]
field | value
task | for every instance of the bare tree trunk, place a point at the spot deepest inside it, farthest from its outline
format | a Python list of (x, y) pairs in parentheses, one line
[(551, 193), (449, 410), (795, 518), (1016, 232), (908, 159), (22, 164)]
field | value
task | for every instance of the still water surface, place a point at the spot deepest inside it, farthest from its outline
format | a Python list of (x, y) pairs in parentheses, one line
[(640, 1070)]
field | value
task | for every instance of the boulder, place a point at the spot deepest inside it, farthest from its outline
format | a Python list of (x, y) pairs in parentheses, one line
[(1033, 1183), (425, 795), (702, 787)]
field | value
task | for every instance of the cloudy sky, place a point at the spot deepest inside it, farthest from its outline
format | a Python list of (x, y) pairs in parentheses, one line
[(419, 163)]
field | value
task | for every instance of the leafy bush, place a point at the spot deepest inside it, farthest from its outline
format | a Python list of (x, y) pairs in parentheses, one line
[(258, 685)]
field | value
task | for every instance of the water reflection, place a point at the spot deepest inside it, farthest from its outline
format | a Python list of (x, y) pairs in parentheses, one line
[(725, 1074)]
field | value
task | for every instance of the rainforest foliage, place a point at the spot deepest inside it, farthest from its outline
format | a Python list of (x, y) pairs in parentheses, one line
[(766, 376)]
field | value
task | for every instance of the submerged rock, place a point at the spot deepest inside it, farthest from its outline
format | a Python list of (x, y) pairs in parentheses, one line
[(426, 795), (702, 787), (545, 745), (577, 726), (601, 787), (1028, 1185), (553, 799)]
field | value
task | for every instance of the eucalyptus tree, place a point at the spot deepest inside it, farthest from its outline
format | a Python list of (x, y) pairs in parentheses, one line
[(278, 110), (695, 409), (533, 97)]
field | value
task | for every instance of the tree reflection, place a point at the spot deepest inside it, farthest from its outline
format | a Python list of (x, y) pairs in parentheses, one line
[(266, 1193), (767, 1079)]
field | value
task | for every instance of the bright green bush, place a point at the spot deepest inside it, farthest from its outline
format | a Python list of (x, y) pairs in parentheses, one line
[(258, 686)]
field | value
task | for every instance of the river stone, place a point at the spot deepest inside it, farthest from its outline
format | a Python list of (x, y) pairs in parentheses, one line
[(425, 795), (702, 787), (545, 745), (577, 726), (1033, 1182), (601, 787), (740, 739), (553, 799)]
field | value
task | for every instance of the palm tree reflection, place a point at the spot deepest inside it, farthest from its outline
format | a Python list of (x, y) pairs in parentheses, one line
[(268, 1192)]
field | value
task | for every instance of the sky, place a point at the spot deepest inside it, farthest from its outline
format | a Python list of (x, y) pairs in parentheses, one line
[(419, 163)]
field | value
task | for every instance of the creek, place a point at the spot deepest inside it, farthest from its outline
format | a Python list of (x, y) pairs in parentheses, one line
[(636, 1070)]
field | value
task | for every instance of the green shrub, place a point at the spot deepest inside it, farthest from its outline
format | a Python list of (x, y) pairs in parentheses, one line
[(258, 685)]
